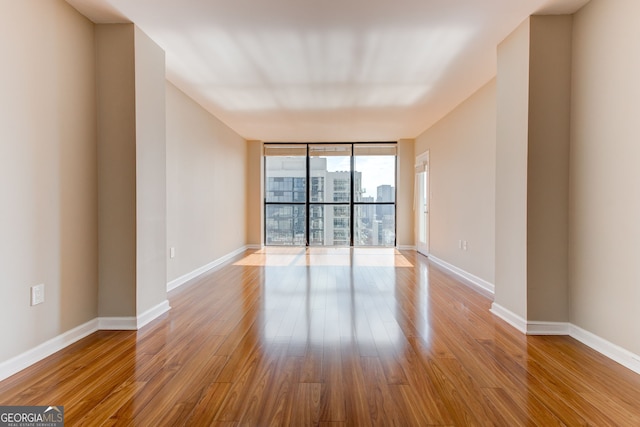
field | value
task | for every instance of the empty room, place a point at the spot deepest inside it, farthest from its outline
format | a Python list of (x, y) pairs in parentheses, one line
[(295, 213)]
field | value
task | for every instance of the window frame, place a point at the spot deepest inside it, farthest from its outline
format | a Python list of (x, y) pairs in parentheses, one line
[(351, 203)]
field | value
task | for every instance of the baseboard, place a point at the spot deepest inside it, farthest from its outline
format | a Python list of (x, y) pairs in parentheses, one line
[(612, 351), (175, 283), (133, 323), (256, 247), (29, 357), (530, 327), (547, 328), (406, 248), (475, 280), (510, 317), (152, 314), (117, 323)]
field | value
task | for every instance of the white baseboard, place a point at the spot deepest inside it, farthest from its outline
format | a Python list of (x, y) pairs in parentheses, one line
[(530, 327), (257, 247), (406, 248), (47, 348), (510, 317), (152, 313), (36, 354), (475, 280), (117, 323), (612, 351), (133, 323), (175, 283), (536, 327)]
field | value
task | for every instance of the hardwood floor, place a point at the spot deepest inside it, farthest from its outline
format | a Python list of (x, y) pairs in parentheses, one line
[(329, 337)]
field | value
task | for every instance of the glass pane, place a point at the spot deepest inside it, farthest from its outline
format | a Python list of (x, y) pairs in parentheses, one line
[(285, 224), (329, 225), (285, 179), (375, 225), (330, 173), (375, 179)]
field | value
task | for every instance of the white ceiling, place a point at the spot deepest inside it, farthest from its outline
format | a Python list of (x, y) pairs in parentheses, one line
[(327, 70)]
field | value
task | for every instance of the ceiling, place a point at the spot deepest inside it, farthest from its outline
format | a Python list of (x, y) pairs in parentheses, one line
[(327, 70)]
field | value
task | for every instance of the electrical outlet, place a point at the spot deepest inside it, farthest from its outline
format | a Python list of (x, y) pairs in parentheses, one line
[(37, 294), (172, 252), (464, 245), (459, 244)]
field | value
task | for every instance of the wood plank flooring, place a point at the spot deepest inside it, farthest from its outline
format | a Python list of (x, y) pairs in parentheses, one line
[(329, 337)]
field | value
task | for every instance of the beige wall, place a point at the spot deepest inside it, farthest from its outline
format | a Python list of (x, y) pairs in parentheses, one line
[(115, 80), (130, 88), (605, 177), (532, 169), (462, 183), (48, 219), (151, 183), (206, 186), (255, 194), (405, 235), (548, 168), (511, 171)]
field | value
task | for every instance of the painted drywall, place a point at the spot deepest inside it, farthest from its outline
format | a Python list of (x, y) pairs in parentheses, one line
[(151, 200), (404, 192), (131, 165), (115, 83), (206, 186), (511, 166), (548, 168), (255, 193), (462, 154), (48, 219), (604, 174)]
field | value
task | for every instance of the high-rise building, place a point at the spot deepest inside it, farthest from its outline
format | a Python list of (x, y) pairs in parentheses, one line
[(385, 215), (329, 224)]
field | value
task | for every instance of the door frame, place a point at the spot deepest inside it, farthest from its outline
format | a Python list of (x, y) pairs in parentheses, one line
[(422, 166)]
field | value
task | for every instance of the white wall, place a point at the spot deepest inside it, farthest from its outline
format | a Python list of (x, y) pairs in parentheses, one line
[(206, 186), (48, 190), (462, 182), (604, 236)]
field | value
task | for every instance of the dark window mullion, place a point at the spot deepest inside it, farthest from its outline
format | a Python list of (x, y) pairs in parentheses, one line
[(308, 188), (351, 199)]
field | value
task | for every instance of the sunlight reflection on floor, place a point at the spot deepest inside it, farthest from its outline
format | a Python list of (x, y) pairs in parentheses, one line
[(299, 256)]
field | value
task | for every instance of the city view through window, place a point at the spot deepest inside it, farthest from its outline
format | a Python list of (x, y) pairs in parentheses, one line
[(341, 206)]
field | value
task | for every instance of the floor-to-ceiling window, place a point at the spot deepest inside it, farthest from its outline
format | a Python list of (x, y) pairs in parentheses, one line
[(375, 198), (330, 194), (285, 195)]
